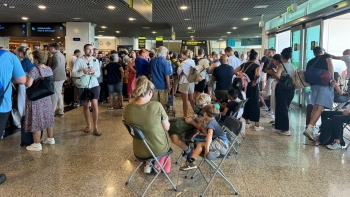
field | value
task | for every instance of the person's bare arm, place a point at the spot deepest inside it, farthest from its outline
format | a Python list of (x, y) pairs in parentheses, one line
[(330, 67), (131, 67), (212, 67), (336, 57), (223, 113), (166, 125), (29, 82), (121, 73), (208, 141), (167, 78), (337, 88), (21, 80), (276, 75), (239, 68), (256, 77)]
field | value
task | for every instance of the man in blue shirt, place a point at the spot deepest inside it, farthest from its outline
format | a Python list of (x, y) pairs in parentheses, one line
[(160, 74), (10, 70)]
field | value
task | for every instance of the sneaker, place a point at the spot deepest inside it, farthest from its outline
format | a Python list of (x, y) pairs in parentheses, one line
[(35, 147), (247, 126), (110, 108), (188, 166), (264, 108), (50, 141), (309, 134), (2, 178), (229, 156), (213, 155), (259, 128), (148, 168), (334, 146), (287, 133), (187, 155), (272, 122)]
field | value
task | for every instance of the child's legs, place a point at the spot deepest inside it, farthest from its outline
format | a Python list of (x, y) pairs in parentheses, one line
[(218, 145), (198, 150)]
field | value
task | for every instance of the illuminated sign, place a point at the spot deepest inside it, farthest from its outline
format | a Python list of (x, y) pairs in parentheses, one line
[(47, 30), (13, 29), (159, 41), (251, 41), (194, 42), (231, 43), (142, 42)]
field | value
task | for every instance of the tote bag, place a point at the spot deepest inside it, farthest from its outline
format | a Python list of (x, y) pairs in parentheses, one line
[(42, 87)]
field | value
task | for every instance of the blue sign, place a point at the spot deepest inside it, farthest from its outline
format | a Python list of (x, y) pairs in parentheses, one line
[(76, 39), (251, 41), (231, 43)]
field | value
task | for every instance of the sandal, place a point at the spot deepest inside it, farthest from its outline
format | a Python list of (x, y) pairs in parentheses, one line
[(98, 133), (87, 129)]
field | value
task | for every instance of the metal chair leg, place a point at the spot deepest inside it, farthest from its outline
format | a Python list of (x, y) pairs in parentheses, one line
[(132, 174), (178, 159)]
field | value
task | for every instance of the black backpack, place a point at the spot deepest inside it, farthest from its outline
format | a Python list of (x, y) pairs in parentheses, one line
[(326, 133), (174, 66)]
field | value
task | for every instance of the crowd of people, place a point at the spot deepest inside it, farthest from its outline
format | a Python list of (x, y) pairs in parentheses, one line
[(226, 80)]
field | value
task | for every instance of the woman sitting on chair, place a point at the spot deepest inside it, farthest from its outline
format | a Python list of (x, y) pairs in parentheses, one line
[(339, 95), (151, 118)]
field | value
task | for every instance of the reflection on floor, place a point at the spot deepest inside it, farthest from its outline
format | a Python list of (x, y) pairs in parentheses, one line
[(84, 165)]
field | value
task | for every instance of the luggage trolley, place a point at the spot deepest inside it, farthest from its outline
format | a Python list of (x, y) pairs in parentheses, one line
[(170, 106)]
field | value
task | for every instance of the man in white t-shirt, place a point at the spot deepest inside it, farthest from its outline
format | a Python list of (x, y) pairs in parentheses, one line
[(202, 65), (345, 58), (232, 59), (73, 59)]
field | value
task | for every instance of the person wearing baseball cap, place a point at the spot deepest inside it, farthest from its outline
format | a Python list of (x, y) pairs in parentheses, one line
[(320, 96)]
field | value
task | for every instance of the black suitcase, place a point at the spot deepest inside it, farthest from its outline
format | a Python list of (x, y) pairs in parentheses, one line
[(27, 137), (68, 97)]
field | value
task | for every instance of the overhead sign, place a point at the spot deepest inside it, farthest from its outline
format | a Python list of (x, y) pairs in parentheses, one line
[(194, 42), (76, 39), (251, 41), (142, 42), (47, 30), (231, 43), (292, 8), (13, 29), (159, 41), (143, 7)]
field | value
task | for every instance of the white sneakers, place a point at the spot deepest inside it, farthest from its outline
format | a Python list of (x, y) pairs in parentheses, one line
[(50, 141), (309, 133), (35, 147), (264, 108), (334, 146), (287, 133), (259, 128), (148, 168)]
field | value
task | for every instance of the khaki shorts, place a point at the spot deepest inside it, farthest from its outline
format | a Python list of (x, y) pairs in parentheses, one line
[(160, 96), (186, 88), (218, 144)]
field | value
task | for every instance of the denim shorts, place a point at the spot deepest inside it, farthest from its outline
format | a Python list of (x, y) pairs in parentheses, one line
[(322, 95), (117, 88)]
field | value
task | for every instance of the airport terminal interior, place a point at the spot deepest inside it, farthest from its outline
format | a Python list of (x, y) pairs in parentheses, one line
[(260, 159)]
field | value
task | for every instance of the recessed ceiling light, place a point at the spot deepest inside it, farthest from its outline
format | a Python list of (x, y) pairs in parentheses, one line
[(12, 7), (261, 6), (187, 19), (76, 18), (111, 7), (183, 7), (24, 18), (132, 19), (42, 7), (153, 32), (58, 37), (245, 19), (52, 39), (103, 27), (59, 42), (24, 40), (189, 27), (228, 32), (234, 27), (192, 36), (117, 32), (101, 31)]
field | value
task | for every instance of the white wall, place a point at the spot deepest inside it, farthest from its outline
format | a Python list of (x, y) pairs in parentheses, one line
[(107, 43), (82, 30), (282, 41), (335, 40), (5, 43)]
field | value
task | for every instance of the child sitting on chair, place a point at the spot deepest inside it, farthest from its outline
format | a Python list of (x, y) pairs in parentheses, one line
[(227, 109), (216, 141)]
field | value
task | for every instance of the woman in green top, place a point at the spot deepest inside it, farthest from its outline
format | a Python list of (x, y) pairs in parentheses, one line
[(150, 117)]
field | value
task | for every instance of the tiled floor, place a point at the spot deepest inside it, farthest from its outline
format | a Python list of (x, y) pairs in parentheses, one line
[(84, 165)]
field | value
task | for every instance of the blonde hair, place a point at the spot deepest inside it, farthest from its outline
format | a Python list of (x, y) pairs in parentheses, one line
[(40, 56), (203, 99), (27, 52), (211, 110), (142, 87)]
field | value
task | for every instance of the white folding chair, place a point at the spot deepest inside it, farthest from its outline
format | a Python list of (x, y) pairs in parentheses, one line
[(233, 127), (136, 133)]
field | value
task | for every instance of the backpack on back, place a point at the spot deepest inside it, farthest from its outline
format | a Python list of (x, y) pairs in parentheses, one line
[(194, 75)]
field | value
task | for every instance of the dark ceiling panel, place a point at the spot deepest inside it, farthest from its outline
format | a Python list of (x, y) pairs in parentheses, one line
[(210, 19)]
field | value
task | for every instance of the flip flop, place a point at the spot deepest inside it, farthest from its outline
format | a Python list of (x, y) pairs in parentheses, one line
[(87, 129), (98, 133)]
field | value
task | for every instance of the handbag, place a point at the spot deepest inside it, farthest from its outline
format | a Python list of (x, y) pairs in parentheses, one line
[(299, 80), (81, 82), (286, 81), (42, 87), (316, 76)]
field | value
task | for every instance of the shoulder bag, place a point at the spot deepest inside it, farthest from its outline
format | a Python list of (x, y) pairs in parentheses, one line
[(41, 87), (286, 82), (317, 76)]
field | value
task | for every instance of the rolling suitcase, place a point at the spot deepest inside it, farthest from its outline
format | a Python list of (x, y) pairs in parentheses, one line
[(27, 137)]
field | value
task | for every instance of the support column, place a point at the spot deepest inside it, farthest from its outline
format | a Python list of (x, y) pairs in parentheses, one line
[(5, 43), (264, 41), (85, 31)]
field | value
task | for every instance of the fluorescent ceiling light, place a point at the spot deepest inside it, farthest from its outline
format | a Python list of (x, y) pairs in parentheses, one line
[(101, 31), (245, 19), (111, 7), (58, 37), (132, 19), (117, 32), (228, 32), (52, 39), (187, 19), (234, 27), (183, 7), (189, 27), (153, 32), (42, 7), (24, 18), (76, 18), (103, 27), (12, 7), (261, 6)]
